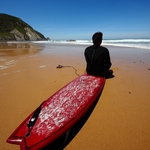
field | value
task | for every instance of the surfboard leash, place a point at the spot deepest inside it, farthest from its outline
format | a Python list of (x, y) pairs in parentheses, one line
[(60, 66), (33, 119)]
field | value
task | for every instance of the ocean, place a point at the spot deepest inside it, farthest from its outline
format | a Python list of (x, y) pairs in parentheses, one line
[(136, 43)]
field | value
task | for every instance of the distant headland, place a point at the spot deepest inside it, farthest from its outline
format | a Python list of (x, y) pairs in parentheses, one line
[(14, 29)]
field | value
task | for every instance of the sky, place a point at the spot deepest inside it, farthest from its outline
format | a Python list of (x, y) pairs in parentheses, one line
[(80, 19)]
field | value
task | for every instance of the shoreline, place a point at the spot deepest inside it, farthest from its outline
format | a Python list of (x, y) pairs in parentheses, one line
[(121, 118)]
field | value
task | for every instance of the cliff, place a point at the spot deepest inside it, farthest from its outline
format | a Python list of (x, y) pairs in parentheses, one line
[(14, 29)]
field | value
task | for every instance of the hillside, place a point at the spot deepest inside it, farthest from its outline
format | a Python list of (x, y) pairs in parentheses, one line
[(14, 29)]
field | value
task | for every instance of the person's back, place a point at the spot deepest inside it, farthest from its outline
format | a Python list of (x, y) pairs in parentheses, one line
[(97, 57)]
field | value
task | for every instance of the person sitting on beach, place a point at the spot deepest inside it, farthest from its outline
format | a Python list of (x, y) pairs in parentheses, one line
[(97, 58)]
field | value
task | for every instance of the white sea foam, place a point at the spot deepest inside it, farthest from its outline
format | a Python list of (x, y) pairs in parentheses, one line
[(136, 43), (129, 40), (3, 67)]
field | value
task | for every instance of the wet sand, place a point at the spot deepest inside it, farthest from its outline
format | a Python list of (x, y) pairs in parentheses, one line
[(121, 118)]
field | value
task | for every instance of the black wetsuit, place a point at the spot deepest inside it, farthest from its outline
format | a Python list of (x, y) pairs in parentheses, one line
[(98, 60)]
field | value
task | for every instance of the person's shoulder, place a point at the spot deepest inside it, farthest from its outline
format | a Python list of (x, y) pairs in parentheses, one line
[(103, 48), (89, 47)]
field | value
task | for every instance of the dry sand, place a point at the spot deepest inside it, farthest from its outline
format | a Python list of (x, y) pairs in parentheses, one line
[(121, 118)]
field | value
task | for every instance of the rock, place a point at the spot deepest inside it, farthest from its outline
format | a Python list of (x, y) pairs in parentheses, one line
[(33, 36), (18, 35)]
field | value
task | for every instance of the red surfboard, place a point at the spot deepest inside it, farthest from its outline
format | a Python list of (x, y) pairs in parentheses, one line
[(55, 116)]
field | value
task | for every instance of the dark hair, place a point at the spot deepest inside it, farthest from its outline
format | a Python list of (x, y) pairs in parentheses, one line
[(97, 37)]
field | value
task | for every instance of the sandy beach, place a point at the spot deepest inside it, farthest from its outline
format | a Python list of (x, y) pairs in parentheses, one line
[(121, 118)]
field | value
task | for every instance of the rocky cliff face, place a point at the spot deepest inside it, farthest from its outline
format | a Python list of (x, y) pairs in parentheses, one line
[(14, 29)]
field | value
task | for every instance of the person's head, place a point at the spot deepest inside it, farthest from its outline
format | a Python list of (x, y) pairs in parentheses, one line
[(97, 38)]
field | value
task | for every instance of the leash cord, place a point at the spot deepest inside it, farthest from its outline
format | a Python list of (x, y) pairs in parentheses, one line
[(60, 66)]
